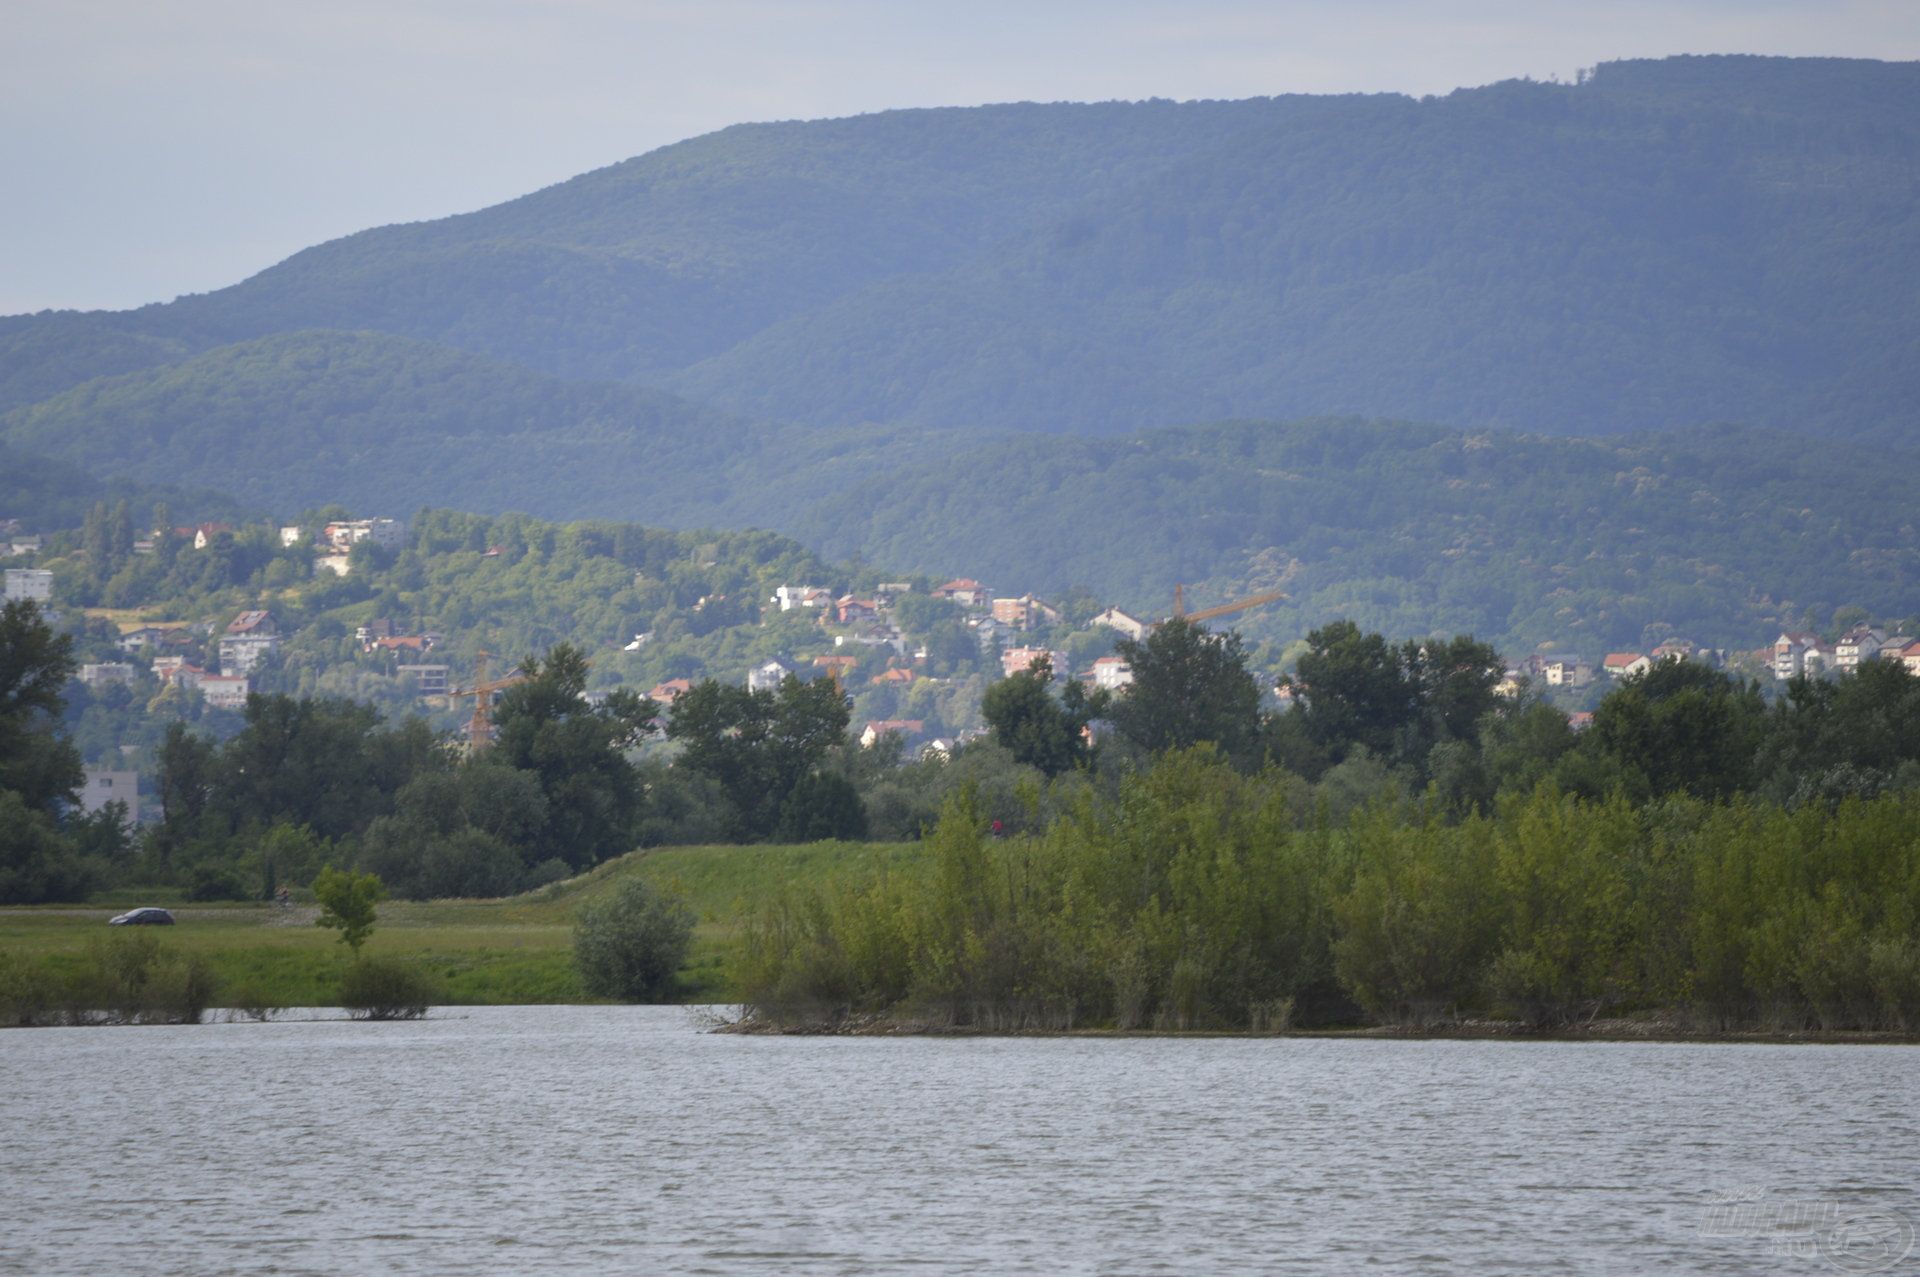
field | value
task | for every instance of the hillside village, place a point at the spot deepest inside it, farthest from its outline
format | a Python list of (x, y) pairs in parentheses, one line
[(915, 655)]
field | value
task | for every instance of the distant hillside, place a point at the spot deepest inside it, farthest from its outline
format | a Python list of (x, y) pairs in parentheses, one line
[(1668, 243), (1717, 534)]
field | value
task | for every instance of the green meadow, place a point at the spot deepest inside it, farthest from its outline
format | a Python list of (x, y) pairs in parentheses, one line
[(508, 951)]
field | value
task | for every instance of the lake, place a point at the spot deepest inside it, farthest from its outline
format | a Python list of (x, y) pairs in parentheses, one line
[(626, 1140)]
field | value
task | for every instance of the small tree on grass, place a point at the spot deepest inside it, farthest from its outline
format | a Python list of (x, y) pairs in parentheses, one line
[(346, 904), (631, 944)]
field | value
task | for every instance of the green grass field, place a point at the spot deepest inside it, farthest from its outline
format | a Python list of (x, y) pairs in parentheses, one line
[(516, 950)]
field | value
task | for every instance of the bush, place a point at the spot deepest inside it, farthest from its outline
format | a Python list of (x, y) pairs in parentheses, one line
[(386, 989), (546, 873), (631, 944), (133, 979)]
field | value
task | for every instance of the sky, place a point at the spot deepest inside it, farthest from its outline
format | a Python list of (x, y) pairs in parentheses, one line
[(160, 147)]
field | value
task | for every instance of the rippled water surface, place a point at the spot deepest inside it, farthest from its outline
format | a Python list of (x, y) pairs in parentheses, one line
[(625, 1140)]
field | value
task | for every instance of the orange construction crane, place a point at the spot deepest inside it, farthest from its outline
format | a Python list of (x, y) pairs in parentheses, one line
[(480, 726), (1225, 609)]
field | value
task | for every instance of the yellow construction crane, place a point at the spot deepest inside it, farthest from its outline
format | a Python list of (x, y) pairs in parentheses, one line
[(1225, 609), (480, 726)]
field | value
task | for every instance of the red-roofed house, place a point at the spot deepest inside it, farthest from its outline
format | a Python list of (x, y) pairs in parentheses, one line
[(965, 591), (666, 693), (1625, 664)]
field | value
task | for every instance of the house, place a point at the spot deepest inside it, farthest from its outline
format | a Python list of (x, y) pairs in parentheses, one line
[(378, 628), (428, 680), (768, 675), (401, 643), (671, 690), (837, 667), (1511, 684), (1910, 657), (1672, 650), (204, 534), (290, 536), (102, 787), (850, 610), (250, 638), (174, 669), (224, 691), (1861, 643), (1580, 720), (1566, 672), (1017, 614), (1131, 626), (146, 636), (107, 673), (1790, 653), (790, 597), (1016, 660), (16, 546), (897, 677), (906, 728), (888, 591), (1111, 673), (965, 591), (1625, 664), (32, 585), (1818, 659), (343, 535)]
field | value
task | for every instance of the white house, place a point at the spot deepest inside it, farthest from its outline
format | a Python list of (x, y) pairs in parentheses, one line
[(33, 585), (224, 691), (768, 675), (1861, 643), (1790, 653), (251, 637), (1625, 664), (1131, 626), (106, 673), (1111, 673), (103, 787)]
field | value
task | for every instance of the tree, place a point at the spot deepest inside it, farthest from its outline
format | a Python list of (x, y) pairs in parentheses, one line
[(1682, 726), (346, 904), (758, 745), (577, 751), (35, 664), (1189, 685), (631, 944), (1357, 691), (1037, 728)]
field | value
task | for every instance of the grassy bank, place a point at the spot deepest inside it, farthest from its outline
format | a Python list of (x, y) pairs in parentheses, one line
[(516, 950)]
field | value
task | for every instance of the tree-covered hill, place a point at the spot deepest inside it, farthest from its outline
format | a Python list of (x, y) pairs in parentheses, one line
[(1722, 535), (1665, 243)]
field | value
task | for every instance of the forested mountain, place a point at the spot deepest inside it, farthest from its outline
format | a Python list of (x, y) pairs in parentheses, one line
[(1720, 534), (1663, 244)]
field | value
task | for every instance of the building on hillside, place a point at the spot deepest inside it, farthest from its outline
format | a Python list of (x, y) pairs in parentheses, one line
[(965, 591), (1625, 664), (205, 534), (154, 636), (1673, 649), (908, 729), (102, 787), (428, 680), (1131, 626), (1015, 614), (852, 611), (888, 591), (837, 667), (670, 691), (18, 547), (1111, 673), (1016, 660), (224, 691), (30, 585), (343, 535), (250, 638), (768, 675), (898, 676), (1861, 643), (1580, 720), (1566, 671), (1818, 659), (107, 673), (1910, 657), (1790, 653), (790, 597)]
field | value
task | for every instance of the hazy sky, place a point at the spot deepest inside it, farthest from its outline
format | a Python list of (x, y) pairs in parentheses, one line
[(154, 147)]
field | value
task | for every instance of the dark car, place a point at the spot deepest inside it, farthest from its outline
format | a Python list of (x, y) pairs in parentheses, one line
[(142, 918)]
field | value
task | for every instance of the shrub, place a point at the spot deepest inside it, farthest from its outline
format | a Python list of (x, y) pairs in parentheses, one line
[(386, 989), (132, 979), (631, 944)]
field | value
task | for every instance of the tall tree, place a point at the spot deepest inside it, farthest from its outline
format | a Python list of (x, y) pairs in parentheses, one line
[(1038, 728), (1189, 685), (35, 663), (577, 750), (758, 745)]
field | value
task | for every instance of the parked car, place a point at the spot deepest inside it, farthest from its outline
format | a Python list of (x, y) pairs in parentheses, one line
[(142, 918)]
